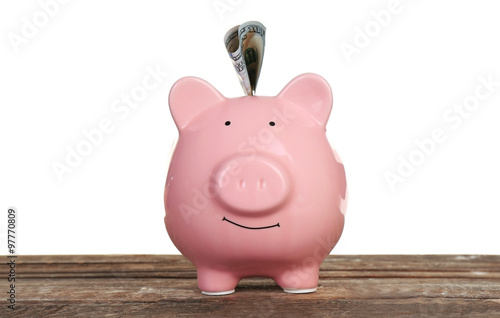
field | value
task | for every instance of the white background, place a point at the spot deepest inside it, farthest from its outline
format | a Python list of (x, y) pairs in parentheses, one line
[(64, 78)]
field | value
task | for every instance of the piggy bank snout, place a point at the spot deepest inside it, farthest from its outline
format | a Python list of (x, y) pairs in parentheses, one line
[(252, 184)]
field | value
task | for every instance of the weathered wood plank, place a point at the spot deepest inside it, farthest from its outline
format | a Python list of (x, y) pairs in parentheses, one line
[(156, 289), (467, 266), (361, 262), (165, 286), (262, 308), (118, 271)]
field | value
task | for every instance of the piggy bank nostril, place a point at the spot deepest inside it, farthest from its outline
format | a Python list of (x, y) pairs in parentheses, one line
[(242, 184), (262, 183)]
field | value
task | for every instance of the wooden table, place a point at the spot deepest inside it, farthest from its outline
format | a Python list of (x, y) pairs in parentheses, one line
[(165, 286)]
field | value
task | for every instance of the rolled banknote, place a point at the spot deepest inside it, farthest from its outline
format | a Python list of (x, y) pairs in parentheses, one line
[(233, 48), (245, 45)]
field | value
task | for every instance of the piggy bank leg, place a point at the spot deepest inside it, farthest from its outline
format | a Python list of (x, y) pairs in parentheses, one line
[(216, 283), (299, 280)]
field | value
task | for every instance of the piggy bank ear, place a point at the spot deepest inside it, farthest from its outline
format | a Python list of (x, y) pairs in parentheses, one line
[(312, 93), (189, 97)]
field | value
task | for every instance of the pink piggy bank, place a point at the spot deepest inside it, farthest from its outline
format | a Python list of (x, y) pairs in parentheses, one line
[(254, 188)]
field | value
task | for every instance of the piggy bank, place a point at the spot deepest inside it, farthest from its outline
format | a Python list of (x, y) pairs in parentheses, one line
[(253, 187)]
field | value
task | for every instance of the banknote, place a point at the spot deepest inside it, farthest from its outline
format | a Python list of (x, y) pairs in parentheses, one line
[(245, 45)]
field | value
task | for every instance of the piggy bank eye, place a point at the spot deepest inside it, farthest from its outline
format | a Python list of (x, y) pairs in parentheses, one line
[(272, 123), (227, 123)]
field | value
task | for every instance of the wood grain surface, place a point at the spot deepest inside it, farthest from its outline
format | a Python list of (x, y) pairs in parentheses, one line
[(165, 286)]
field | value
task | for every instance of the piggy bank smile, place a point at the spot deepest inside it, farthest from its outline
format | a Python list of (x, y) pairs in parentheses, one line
[(251, 228), (254, 187)]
